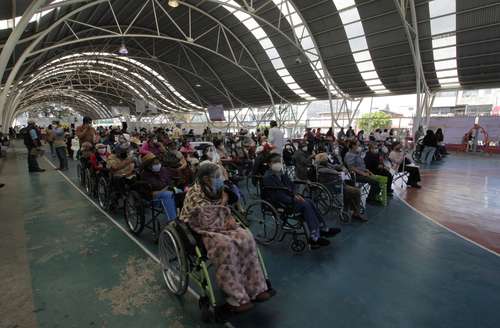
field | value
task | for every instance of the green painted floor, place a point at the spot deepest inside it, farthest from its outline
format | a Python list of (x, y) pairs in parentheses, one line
[(84, 271), (67, 265)]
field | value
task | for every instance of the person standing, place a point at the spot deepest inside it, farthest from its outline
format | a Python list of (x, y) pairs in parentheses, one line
[(60, 146), (276, 138), (49, 137), (33, 143), (85, 132), (341, 135)]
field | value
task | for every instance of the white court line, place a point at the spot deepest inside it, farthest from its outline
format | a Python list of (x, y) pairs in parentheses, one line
[(147, 251), (446, 228)]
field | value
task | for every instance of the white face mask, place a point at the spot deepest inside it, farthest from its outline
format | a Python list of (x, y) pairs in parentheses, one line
[(102, 151), (304, 148), (276, 167), (156, 167)]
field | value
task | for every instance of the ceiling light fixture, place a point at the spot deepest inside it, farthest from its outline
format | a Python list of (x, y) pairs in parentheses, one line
[(173, 3), (123, 49)]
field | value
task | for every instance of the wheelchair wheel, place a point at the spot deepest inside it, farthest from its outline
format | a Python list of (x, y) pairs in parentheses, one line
[(262, 220), (253, 191), (134, 213), (173, 260), (320, 195), (103, 193), (207, 312), (88, 181), (298, 246), (81, 174)]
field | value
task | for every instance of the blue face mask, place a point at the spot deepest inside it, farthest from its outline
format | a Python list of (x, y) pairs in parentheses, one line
[(156, 167), (217, 184)]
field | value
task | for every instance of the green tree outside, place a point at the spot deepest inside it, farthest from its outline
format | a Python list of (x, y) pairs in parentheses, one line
[(371, 121)]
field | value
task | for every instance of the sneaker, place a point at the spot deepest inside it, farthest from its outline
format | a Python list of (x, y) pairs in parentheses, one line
[(321, 242), (331, 232)]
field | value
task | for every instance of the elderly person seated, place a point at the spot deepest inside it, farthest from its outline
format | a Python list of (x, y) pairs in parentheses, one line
[(159, 180), (152, 145), (399, 163), (355, 164), (99, 158), (375, 164), (120, 164), (231, 248), (328, 174), (303, 161), (275, 178)]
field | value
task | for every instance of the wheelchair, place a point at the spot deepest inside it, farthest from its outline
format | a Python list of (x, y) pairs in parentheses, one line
[(82, 171), (335, 188), (139, 201), (269, 220), (183, 259), (419, 147), (111, 190)]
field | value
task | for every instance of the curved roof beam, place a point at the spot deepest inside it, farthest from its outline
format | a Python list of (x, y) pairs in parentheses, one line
[(101, 57), (80, 107), (30, 49), (355, 32), (55, 95), (10, 23), (81, 72), (132, 69), (6, 116)]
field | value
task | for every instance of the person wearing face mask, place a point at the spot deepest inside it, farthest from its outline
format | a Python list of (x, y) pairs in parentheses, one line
[(220, 149), (355, 163), (173, 158), (331, 175), (400, 162), (303, 161), (375, 164), (275, 178), (159, 180), (152, 146), (230, 248), (99, 158)]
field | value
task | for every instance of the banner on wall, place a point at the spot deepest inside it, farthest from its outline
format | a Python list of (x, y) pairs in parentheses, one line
[(492, 126), (453, 128), (216, 113), (120, 110)]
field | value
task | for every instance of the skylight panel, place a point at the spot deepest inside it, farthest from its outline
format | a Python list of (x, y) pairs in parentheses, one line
[(444, 41)]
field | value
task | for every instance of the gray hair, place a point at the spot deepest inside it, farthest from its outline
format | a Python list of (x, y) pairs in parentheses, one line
[(206, 169)]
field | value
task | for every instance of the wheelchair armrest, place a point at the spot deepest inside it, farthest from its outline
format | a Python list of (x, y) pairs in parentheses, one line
[(301, 182), (266, 188), (186, 231)]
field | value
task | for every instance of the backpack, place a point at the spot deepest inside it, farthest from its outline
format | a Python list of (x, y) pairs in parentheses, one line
[(24, 132)]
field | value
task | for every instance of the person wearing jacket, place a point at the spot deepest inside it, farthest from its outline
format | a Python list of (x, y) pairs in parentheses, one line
[(33, 143), (430, 146), (275, 178)]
